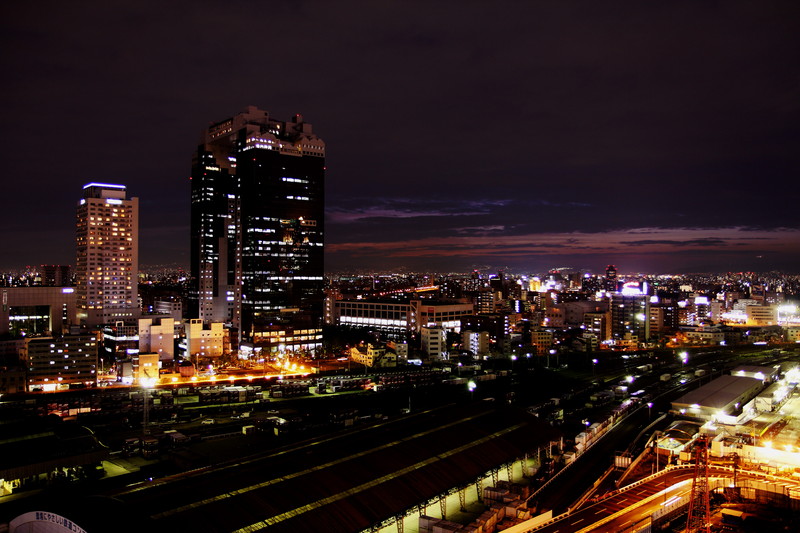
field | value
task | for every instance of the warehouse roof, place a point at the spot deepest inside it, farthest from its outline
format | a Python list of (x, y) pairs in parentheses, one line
[(720, 392), (39, 446), (753, 371), (350, 481)]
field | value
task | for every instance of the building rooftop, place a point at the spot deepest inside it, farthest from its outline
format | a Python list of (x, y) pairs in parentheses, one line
[(751, 370), (31, 448), (347, 482), (719, 393)]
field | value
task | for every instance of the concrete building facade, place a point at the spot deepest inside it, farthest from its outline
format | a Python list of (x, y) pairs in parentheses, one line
[(157, 335), (434, 342), (204, 340)]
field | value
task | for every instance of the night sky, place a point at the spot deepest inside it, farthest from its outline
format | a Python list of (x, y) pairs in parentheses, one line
[(659, 136)]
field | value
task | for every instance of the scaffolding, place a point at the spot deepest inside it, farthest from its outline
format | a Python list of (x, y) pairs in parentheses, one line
[(699, 518)]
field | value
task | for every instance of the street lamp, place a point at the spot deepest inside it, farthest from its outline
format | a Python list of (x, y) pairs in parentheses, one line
[(471, 386), (649, 410), (655, 448), (147, 383), (594, 363)]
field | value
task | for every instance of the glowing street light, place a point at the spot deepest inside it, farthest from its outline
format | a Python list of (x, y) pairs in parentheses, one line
[(649, 410), (146, 383)]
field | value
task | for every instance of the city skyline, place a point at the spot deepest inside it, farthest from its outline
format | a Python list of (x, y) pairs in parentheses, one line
[(657, 138)]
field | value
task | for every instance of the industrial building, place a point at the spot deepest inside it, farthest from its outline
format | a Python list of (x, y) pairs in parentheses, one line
[(724, 399), (767, 374)]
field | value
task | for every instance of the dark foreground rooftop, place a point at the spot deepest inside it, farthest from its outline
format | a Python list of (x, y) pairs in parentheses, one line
[(346, 482)]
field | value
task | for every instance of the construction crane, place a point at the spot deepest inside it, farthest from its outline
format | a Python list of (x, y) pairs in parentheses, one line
[(699, 518)]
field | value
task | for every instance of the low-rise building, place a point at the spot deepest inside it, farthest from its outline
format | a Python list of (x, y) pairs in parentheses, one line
[(766, 374), (542, 340), (434, 342), (762, 315), (702, 335), (373, 357), (204, 340), (287, 338), (56, 363), (145, 367), (37, 310), (157, 335), (173, 308), (476, 342), (397, 318)]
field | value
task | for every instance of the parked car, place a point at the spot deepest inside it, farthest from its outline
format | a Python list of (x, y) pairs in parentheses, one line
[(209, 421)]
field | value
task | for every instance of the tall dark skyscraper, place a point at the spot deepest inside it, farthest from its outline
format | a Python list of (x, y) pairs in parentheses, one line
[(257, 228), (611, 279)]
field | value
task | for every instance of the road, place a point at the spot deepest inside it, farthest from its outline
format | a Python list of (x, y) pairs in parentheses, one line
[(628, 506)]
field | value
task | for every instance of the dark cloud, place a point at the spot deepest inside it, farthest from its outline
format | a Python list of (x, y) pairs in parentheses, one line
[(693, 242), (439, 117)]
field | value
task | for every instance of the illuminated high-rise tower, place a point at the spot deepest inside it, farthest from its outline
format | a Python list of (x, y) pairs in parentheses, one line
[(107, 263), (257, 218)]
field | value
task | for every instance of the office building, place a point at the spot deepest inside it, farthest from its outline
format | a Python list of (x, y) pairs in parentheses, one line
[(107, 263), (120, 341), (610, 282), (630, 317), (56, 363), (762, 315), (542, 340), (476, 342), (434, 342), (55, 275), (397, 318), (390, 317), (598, 324), (36, 310), (498, 326), (171, 307), (257, 226)]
